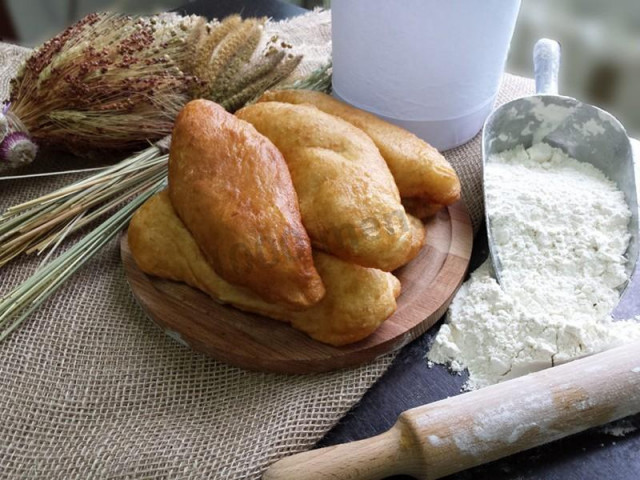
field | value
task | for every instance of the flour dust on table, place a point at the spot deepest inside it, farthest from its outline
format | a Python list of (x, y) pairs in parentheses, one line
[(561, 230)]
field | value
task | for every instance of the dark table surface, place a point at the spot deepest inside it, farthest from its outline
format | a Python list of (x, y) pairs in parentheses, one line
[(409, 382)]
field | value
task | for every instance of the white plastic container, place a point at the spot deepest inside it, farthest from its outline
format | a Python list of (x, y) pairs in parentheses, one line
[(431, 66)]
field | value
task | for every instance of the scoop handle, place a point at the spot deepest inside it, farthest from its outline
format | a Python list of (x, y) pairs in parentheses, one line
[(546, 65)]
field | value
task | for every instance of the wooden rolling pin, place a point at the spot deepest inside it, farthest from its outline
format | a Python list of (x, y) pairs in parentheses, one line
[(460, 432)]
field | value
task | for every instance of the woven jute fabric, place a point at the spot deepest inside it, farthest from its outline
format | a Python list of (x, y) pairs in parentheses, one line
[(90, 388)]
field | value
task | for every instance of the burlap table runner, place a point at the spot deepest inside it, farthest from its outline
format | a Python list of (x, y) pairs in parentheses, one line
[(90, 388)]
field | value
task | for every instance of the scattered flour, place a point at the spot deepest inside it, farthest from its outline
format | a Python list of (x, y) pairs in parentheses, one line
[(505, 423), (561, 230)]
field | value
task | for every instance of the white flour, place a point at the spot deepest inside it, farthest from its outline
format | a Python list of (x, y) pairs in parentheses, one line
[(561, 229)]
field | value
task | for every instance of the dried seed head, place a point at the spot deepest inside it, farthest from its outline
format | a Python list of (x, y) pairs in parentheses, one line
[(253, 91), (207, 50), (225, 81), (17, 150), (103, 75), (254, 73), (115, 82)]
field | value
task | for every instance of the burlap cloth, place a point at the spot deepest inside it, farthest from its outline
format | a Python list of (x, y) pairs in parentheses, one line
[(90, 388)]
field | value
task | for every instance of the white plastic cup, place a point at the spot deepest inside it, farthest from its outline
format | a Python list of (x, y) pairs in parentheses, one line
[(431, 66)]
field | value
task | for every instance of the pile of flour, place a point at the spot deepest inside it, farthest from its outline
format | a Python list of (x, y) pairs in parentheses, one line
[(561, 229)]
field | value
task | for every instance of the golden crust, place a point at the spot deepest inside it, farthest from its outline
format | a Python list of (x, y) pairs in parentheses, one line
[(418, 168), (233, 191), (349, 201), (356, 302)]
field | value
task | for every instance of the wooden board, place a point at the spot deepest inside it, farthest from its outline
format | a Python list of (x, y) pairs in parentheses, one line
[(258, 343)]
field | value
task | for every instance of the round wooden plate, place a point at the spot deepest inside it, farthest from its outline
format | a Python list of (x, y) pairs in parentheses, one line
[(258, 343)]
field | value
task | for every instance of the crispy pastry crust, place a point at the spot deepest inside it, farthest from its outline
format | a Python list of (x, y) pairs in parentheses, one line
[(233, 191), (419, 169), (348, 198)]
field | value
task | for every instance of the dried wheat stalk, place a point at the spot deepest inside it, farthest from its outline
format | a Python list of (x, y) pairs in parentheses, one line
[(107, 82), (113, 82)]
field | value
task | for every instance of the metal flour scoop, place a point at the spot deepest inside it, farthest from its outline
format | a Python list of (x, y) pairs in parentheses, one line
[(584, 132)]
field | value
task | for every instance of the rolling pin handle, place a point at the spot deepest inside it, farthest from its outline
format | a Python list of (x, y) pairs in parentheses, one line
[(370, 459)]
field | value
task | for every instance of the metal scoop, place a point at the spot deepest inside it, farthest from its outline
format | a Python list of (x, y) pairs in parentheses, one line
[(583, 131)]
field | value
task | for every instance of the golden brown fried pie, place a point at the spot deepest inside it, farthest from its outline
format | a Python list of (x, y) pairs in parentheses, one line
[(419, 169), (232, 189), (349, 201), (356, 302)]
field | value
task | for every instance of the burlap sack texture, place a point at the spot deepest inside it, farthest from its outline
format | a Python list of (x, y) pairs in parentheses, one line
[(90, 388)]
